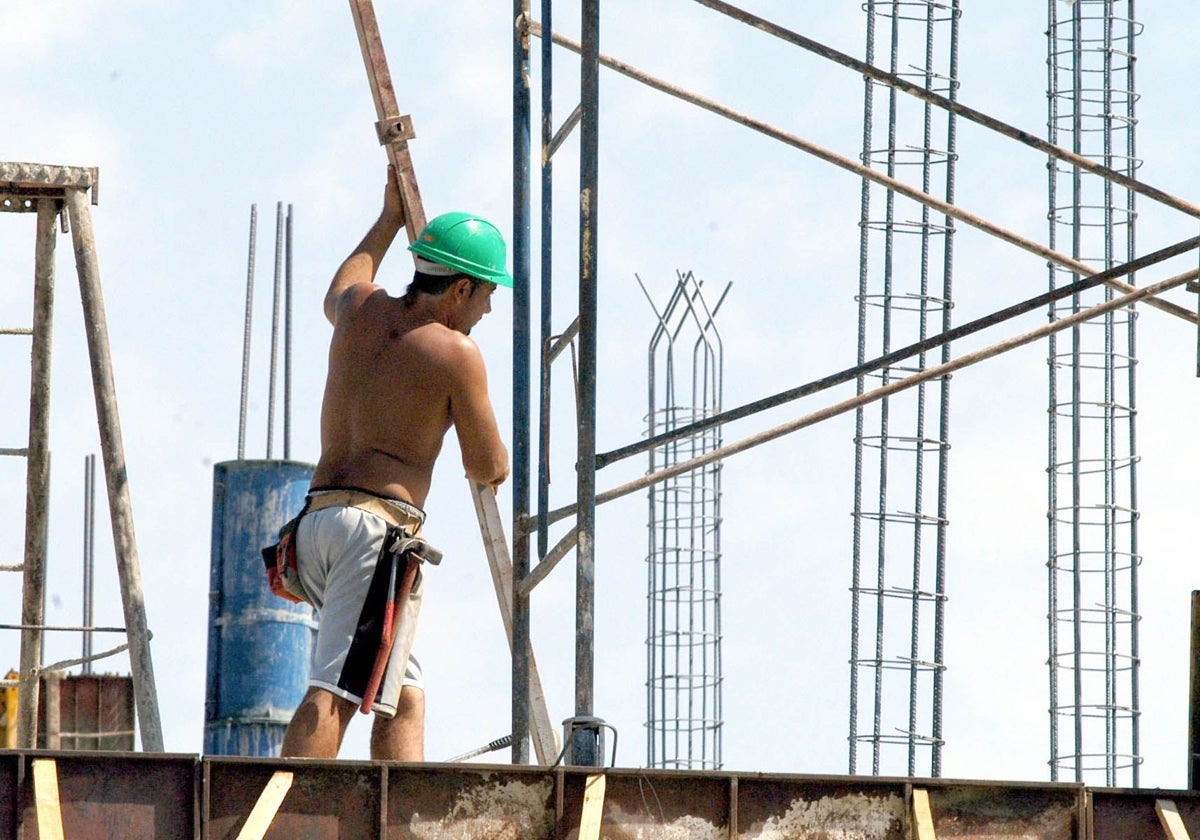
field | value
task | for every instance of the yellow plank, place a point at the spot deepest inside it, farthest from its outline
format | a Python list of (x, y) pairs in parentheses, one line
[(264, 811), (923, 815), (593, 807), (45, 794), (1172, 823)]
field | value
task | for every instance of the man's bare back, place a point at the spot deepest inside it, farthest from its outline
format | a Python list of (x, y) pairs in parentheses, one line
[(399, 377)]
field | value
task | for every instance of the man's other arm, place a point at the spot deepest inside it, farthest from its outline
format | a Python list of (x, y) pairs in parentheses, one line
[(484, 456), (359, 269)]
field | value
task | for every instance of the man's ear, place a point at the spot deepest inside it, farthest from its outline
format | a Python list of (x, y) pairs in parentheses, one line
[(462, 288)]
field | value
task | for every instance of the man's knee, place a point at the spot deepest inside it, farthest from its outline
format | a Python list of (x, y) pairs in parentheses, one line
[(411, 706)]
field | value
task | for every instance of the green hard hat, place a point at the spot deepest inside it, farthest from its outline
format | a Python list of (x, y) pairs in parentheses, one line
[(467, 243)]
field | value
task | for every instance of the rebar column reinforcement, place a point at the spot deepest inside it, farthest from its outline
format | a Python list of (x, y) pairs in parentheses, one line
[(901, 444), (685, 368), (1093, 554)]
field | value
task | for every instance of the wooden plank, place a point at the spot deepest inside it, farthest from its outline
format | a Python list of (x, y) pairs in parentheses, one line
[(386, 108), (593, 807), (267, 806), (1172, 822), (46, 802), (922, 815), (491, 527)]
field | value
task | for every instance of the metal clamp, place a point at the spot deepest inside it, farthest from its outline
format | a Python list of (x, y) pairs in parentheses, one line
[(395, 130)]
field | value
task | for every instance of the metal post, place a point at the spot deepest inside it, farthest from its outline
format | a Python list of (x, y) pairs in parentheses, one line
[(586, 464), (37, 477), (116, 475), (520, 396), (89, 556)]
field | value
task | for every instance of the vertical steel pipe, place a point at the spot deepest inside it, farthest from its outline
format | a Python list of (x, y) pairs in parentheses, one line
[(547, 277), (586, 450), (521, 379), (37, 476), (89, 555), (115, 471)]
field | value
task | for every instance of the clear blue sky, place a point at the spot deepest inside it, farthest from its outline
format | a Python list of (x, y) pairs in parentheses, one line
[(193, 111)]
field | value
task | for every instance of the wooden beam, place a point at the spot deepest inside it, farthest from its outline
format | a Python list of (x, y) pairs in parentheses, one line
[(1172, 822), (491, 527), (267, 806), (922, 815), (593, 807), (46, 801), (387, 112)]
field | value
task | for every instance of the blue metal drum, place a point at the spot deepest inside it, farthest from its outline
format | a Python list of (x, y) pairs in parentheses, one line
[(259, 645)]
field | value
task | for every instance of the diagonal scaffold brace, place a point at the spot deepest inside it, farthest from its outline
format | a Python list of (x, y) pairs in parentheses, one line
[(394, 131)]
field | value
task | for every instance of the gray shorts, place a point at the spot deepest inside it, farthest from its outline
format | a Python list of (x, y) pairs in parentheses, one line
[(337, 550)]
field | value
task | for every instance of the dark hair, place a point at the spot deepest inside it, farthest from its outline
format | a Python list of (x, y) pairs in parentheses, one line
[(435, 284)]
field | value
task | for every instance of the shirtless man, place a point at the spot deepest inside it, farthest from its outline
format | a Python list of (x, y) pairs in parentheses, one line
[(402, 371)]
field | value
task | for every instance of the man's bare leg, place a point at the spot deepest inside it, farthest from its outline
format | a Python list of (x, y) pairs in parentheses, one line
[(401, 738), (318, 726)]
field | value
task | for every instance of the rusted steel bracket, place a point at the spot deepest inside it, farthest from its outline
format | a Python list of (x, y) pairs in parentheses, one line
[(395, 130)]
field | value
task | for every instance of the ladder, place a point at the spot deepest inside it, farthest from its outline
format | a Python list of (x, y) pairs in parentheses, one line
[(394, 132), (59, 194)]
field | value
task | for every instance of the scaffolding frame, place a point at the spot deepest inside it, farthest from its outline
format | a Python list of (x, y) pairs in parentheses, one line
[(583, 328), (64, 194)]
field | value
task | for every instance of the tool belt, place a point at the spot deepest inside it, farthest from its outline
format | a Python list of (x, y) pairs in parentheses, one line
[(404, 519)]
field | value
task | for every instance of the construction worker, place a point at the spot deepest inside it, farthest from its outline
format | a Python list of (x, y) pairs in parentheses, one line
[(402, 371)]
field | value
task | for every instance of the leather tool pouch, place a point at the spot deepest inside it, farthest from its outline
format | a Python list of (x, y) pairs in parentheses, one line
[(283, 576)]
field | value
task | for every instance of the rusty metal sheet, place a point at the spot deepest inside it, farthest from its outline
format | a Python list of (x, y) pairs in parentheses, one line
[(144, 797), (328, 800), (1004, 812), (469, 801), (10, 768), (819, 808), (94, 712), (1130, 814), (652, 805)]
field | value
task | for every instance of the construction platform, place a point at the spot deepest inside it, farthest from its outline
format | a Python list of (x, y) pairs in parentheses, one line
[(135, 795)]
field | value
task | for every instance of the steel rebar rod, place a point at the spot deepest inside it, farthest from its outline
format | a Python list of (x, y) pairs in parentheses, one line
[(941, 339), (957, 108), (866, 172), (287, 338), (988, 352), (275, 306), (115, 471), (241, 446)]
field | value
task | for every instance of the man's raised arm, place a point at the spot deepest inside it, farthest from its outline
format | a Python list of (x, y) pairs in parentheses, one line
[(363, 263)]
